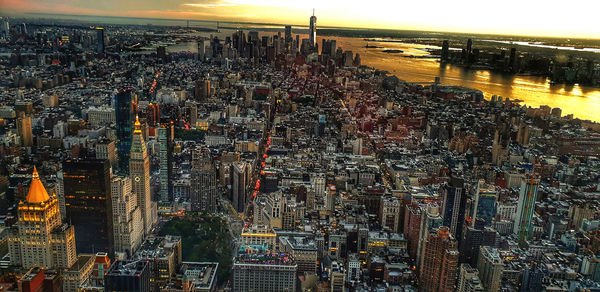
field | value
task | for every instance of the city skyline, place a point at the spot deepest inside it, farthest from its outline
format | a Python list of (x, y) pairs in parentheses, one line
[(457, 16)]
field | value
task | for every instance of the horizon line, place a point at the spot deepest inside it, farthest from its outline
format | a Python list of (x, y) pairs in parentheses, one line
[(300, 25)]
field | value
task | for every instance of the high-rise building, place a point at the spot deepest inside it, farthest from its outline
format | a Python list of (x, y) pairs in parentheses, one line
[(128, 276), (124, 115), (86, 184), (484, 206), (264, 272), (412, 227), (468, 280), (390, 213), (445, 50), (40, 238), (440, 262), (24, 130), (128, 226), (106, 149), (288, 36), (454, 205), (312, 37), (100, 39), (165, 140), (473, 239), (490, 267), (525, 208), (430, 220), (139, 171), (239, 185), (204, 182)]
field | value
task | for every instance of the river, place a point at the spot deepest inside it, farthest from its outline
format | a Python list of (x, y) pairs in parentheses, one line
[(581, 101)]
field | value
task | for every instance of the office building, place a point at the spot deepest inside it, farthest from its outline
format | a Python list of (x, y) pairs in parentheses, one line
[(468, 280), (445, 51), (454, 205), (106, 149), (525, 208), (165, 140), (430, 220), (264, 272), (124, 116), (202, 276), (239, 184), (440, 261), (164, 258), (24, 130), (139, 170), (128, 276), (490, 267), (86, 186), (390, 213), (312, 36), (40, 238), (204, 182), (484, 205), (128, 226), (473, 239), (100, 40)]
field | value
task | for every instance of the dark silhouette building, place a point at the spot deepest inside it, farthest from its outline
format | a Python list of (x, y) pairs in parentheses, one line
[(88, 203), (124, 114), (128, 276)]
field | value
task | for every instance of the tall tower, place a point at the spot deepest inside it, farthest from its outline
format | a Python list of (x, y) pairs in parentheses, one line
[(525, 208), (24, 131), (40, 239), (100, 37), (86, 188), (139, 170), (490, 267), (124, 115), (313, 31), (204, 182), (128, 227), (239, 184), (454, 205), (165, 140), (440, 261)]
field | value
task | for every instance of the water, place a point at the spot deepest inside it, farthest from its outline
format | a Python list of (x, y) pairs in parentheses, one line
[(416, 64)]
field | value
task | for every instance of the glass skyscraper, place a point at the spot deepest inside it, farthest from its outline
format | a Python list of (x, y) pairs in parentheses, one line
[(124, 114), (88, 203)]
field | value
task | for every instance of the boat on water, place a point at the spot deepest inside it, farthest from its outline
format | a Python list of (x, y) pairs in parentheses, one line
[(393, 51)]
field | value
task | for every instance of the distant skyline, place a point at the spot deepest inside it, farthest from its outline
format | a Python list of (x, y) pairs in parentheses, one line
[(513, 17)]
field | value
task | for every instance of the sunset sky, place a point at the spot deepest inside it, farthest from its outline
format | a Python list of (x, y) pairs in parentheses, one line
[(523, 17)]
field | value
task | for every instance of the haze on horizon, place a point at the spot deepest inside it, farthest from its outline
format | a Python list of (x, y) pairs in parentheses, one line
[(554, 18)]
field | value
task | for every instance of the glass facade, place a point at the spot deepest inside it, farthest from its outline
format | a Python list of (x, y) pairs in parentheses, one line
[(88, 203), (124, 115)]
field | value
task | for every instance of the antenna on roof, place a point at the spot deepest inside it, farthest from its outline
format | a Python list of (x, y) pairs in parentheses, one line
[(313, 12)]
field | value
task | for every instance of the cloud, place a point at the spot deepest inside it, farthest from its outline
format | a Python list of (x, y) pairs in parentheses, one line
[(210, 4)]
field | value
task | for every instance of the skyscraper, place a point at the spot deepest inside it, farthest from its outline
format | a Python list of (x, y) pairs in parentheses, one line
[(288, 36), (88, 203), (165, 140), (40, 238), (204, 182), (445, 49), (484, 205), (440, 262), (128, 226), (239, 184), (312, 37), (100, 39), (525, 208), (454, 205), (490, 267), (24, 130), (124, 115), (139, 170)]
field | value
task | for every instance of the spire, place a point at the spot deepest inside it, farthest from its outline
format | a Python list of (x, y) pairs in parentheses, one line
[(37, 192), (138, 126), (313, 12)]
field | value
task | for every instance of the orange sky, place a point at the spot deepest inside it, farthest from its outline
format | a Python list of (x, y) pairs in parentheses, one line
[(523, 17)]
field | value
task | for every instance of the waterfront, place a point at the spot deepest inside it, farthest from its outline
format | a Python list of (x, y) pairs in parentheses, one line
[(415, 64)]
